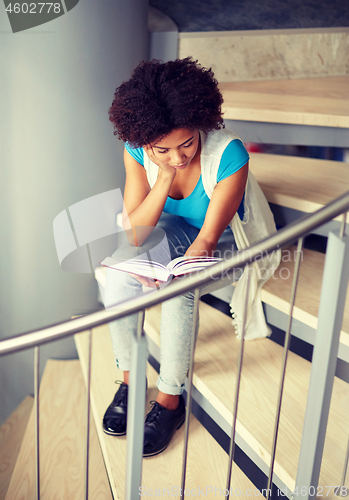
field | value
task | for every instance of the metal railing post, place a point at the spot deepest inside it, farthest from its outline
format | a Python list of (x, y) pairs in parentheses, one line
[(135, 413), (37, 418), (248, 270), (332, 301), (284, 364), (189, 391)]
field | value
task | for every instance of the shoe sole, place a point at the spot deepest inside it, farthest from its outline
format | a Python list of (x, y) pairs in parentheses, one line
[(164, 448), (114, 433)]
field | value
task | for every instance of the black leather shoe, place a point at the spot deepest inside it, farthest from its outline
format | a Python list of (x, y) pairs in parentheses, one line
[(160, 425), (115, 418)]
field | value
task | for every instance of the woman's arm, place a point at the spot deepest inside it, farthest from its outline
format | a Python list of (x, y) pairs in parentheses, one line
[(142, 205), (225, 201)]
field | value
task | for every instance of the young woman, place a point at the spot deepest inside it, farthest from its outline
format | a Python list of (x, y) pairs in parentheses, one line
[(187, 175)]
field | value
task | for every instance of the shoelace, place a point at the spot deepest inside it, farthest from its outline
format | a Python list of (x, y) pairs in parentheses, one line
[(155, 412), (121, 398)]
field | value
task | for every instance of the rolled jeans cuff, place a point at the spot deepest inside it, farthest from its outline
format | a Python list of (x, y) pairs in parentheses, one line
[(169, 389), (124, 367)]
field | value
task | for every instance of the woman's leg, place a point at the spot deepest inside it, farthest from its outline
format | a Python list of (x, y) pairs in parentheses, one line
[(168, 413), (176, 328), (177, 325), (120, 286), (177, 313)]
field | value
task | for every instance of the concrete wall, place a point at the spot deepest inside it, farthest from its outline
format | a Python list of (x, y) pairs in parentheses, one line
[(57, 83), (270, 54)]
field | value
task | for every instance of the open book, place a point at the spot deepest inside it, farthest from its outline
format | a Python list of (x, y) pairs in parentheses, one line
[(156, 271)]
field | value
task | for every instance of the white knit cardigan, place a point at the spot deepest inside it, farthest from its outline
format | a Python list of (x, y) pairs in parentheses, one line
[(257, 224)]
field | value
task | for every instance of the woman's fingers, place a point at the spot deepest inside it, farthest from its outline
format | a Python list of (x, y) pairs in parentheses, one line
[(150, 152), (150, 283)]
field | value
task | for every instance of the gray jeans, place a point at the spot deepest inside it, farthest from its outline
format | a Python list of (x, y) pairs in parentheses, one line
[(177, 313)]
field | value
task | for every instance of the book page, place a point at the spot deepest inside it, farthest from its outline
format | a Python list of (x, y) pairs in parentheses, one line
[(152, 270), (184, 265)]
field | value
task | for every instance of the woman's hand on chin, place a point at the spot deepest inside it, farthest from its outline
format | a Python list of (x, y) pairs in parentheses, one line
[(165, 168)]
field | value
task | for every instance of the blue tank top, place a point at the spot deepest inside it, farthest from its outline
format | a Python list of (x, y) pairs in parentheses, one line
[(193, 208)]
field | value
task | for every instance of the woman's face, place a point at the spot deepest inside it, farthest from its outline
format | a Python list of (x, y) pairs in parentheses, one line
[(178, 148)]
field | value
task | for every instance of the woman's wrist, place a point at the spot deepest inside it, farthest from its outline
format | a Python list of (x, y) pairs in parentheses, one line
[(201, 247), (167, 174)]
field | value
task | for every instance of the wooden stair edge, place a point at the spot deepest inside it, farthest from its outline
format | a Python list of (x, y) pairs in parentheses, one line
[(298, 313), (250, 440), (62, 441), (11, 436), (270, 295), (277, 291), (244, 434), (288, 101), (279, 178), (167, 464)]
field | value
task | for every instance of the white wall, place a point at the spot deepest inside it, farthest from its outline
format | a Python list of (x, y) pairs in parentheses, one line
[(57, 148)]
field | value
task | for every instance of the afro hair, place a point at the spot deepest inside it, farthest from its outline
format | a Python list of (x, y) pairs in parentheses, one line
[(161, 97)]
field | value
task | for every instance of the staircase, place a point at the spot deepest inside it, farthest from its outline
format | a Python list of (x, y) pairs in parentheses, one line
[(63, 385), (207, 462), (62, 441), (215, 377), (62, 395)]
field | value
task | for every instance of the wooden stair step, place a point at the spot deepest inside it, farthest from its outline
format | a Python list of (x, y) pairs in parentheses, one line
[(163, 471), (214, 377), (305, 101), (11, 436), (277, 294), (303, 184), (277, 291), (62, 442)]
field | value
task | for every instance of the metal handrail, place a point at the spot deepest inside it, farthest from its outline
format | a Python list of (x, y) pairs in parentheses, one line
[(283, 237)]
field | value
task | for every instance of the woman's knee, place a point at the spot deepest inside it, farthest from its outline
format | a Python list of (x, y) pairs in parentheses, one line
[(119, 287)]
